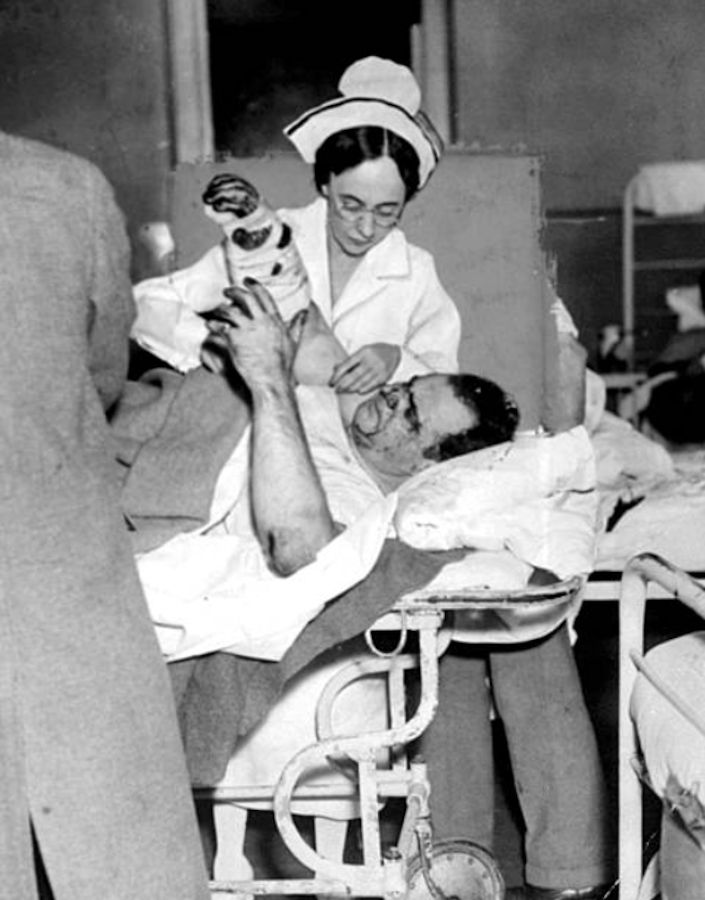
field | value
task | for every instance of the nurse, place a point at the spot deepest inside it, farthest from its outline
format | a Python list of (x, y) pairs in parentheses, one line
[(372, 151)]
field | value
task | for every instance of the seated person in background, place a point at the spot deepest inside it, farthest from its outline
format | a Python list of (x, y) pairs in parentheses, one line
[(675, 413), (683, 354), (674, 395)]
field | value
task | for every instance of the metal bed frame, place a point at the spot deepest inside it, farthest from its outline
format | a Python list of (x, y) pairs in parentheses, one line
[(646, 576), (633, 262), (416, 866)]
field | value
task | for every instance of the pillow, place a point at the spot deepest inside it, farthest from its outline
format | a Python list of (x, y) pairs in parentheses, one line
[(534, 495), (494, 479)]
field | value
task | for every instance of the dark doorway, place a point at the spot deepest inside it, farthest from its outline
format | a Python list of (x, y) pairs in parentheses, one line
[(273, 59)]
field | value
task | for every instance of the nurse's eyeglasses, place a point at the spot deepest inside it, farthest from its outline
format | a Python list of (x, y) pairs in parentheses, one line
[(386, 215)]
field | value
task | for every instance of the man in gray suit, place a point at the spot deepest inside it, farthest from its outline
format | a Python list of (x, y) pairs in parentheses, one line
[(90, 758)]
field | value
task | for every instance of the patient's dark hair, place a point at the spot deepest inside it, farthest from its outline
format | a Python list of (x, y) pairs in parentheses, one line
[(676, 408), (497, 413), (348, 148)]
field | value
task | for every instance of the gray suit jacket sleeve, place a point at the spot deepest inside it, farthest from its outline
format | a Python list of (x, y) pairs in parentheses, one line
[(112, 304)]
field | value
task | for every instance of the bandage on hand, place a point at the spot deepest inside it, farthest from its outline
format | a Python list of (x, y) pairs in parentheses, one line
[(256, 242)]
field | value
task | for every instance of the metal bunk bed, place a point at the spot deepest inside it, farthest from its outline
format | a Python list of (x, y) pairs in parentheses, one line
[(636, 259)]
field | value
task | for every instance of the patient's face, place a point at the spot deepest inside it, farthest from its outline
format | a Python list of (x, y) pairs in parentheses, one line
[(394, 427)]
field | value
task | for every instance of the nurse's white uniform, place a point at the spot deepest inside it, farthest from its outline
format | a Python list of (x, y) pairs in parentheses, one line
[(394, 296)]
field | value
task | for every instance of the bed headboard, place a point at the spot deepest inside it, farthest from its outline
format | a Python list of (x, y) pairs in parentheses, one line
[(480, 216)]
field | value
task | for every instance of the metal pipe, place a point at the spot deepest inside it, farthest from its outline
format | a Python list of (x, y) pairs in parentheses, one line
[(360, 877), (639, 573)]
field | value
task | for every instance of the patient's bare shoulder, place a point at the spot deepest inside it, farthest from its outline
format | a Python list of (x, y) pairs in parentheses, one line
[(318, 351)]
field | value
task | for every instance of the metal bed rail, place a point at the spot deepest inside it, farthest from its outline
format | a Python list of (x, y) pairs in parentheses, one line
[(645, 575)]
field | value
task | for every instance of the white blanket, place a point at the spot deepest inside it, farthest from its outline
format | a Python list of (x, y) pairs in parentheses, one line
[(669, 519), (628, 465)]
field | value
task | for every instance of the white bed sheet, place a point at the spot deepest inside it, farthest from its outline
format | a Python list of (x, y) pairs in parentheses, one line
[(209, 592), (669, 517)]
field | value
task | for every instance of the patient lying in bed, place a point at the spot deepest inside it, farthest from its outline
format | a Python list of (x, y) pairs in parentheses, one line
[(284, 511), (529, 501), (393, 440)]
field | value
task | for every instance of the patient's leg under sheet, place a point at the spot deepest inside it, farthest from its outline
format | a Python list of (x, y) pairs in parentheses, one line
[(553, 752)]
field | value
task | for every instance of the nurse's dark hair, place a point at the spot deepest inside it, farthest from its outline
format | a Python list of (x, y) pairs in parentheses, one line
[(348, 148), (497, 418)]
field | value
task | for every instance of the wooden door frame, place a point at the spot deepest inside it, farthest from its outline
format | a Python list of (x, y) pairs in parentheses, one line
[(188, 60)]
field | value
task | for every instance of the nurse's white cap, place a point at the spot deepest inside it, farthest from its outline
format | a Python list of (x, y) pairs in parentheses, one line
[(374, 91)]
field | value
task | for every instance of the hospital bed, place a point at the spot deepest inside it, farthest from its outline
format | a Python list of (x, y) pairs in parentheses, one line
[(406, 871), (660, 717), (415, 866), (194, 619), (666, 523), (535, 491)]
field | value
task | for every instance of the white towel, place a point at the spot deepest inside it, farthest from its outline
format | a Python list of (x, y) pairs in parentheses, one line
[(675, 188)]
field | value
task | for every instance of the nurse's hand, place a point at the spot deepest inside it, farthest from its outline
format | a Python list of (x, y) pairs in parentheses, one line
[(366, 369)]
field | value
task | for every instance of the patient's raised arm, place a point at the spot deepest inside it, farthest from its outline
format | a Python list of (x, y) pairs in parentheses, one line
[(290, 511), (318, 352)]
